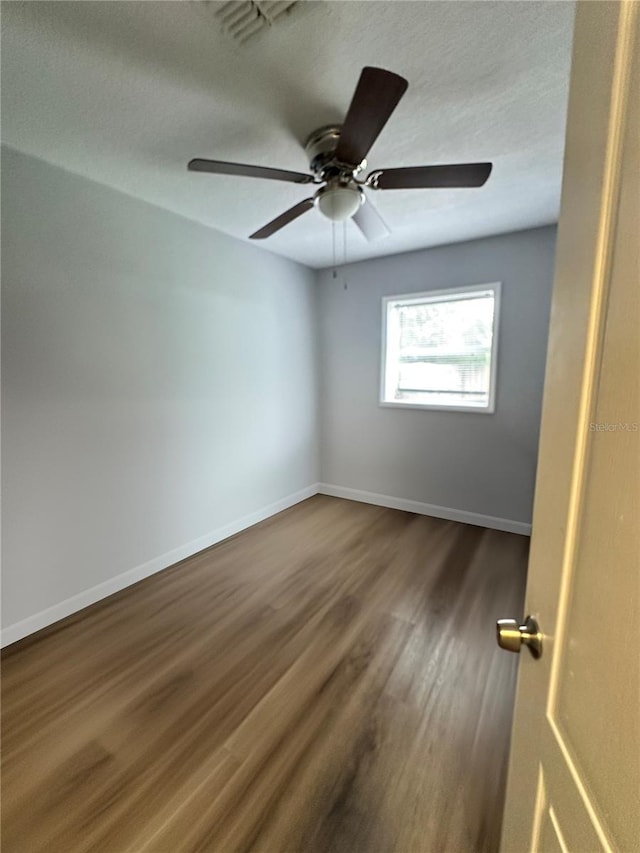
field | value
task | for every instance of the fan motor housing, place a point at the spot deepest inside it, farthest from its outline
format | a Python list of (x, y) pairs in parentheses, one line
[(320, 148)]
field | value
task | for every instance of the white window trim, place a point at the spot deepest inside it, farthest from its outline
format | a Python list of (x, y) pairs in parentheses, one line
[(444, 295)]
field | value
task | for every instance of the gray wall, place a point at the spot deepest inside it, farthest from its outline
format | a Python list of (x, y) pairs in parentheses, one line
[(159, 381), (475, 462)]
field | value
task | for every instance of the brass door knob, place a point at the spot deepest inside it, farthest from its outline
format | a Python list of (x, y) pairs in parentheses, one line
[(512, 636)]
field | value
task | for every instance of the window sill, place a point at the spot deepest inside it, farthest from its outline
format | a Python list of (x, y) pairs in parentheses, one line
[(478, 410)]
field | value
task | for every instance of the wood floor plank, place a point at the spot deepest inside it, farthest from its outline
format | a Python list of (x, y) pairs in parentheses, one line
[(327, 680)]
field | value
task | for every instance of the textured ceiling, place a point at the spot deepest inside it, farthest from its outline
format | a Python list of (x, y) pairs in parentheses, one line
[(126, 93)]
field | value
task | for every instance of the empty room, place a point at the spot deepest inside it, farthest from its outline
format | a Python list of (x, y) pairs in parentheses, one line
[(319, 424)]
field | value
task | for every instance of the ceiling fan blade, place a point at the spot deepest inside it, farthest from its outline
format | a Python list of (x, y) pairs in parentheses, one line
[(282, 220), (375, 98), (370, 222), (430, 177), (219, 167)]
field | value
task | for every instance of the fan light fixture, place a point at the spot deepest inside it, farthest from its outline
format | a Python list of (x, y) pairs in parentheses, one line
[(338, 201), (338, 152)]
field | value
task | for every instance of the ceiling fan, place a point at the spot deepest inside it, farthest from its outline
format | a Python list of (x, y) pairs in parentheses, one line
[(337, 156)]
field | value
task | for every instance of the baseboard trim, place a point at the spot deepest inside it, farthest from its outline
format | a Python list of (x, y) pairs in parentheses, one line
[(44, 618), (505, 524), (65, 608)]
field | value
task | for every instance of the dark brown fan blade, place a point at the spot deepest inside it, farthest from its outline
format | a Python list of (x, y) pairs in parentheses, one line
[(375, 98), (219, 167), (282, 220), (370, 222), (430, 177)]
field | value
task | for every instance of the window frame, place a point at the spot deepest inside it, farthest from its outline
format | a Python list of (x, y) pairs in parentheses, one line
[(443, 295)]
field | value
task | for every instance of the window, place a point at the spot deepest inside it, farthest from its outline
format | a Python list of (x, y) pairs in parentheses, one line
[(439, 349)]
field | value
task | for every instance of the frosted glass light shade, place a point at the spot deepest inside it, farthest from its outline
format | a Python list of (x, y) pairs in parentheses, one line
[(338, 202)]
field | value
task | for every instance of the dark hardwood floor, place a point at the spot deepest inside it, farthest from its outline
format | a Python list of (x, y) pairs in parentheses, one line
[(325, 681)]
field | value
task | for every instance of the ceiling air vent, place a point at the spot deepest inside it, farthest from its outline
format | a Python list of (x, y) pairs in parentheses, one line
[(242, 19)]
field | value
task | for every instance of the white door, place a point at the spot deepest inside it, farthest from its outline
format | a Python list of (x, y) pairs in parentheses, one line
[(574, 772)]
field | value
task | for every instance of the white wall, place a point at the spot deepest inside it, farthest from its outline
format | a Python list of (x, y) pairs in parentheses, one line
[(469, 462), (159, 388)]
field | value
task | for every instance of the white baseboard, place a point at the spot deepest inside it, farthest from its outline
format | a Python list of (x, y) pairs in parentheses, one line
[(31, 624), (83, 599), (506, 524)]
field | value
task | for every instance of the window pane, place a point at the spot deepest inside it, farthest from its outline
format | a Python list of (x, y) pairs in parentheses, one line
[(439, 350)]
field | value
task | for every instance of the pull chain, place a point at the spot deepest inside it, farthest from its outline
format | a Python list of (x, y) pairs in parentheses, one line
[(344, 249), (334, 249), (333, 246)]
